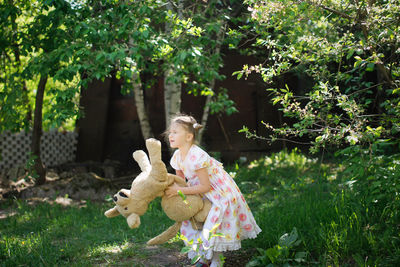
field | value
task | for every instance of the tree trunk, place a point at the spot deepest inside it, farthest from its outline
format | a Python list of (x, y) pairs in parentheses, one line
[(172, 97), (37, 132), (141, 109), (172, 89), (206, 110)]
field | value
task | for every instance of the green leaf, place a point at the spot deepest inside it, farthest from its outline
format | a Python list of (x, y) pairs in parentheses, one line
[(182, 195), (186, 249), (272, 254), (318, 139), (195, 259), (300, 256), (276, 100), (370, 66), (350, 53)]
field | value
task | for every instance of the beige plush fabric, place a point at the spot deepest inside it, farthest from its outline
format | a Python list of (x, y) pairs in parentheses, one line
[(152, 183)]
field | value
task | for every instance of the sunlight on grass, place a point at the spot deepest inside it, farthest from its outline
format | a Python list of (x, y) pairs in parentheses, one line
[(285, 191), (52, 235), (109, 249)]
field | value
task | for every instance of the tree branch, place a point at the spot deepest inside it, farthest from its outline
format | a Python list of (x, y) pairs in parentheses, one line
[(334, 11)]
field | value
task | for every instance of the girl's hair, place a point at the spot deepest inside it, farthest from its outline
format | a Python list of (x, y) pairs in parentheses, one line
[(188, 122)]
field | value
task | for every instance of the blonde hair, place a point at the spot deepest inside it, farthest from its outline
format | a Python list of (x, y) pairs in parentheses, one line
[(187, 122)]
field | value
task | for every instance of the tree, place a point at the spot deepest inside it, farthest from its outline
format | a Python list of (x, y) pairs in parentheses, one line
[(179, 42), (346, 55), (63, 41), (196, 58), (39, 37), (348, 51), (65, 45), (162, 39), (12, 63)]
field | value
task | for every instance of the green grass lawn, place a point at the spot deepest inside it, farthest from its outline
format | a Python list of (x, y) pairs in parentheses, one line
[(52, 235), (309, 212)]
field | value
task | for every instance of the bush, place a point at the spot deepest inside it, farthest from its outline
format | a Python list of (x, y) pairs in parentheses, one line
[(345, 211)]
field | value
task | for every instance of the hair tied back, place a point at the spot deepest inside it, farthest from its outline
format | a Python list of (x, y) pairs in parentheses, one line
[(197, 126)]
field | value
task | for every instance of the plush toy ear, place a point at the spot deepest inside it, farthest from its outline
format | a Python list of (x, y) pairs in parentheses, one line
[(133, 220), (141, 158)]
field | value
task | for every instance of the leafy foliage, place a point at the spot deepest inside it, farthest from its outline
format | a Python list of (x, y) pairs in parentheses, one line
[(74, 43), (346, 55), (63, 45), (281, 253)]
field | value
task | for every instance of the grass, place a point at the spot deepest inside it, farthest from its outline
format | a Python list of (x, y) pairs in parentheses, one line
[(52, 235), (288, 190), (311, 214)]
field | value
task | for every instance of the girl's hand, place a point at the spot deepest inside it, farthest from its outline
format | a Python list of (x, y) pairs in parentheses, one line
[(172, 190)]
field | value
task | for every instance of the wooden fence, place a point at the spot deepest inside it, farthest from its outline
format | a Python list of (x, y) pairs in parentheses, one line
[(56, 148)]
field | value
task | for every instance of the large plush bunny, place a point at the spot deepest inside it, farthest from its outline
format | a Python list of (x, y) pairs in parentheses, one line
[(152, 183)]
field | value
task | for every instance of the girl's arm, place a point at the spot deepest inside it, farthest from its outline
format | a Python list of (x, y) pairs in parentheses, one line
[(180, 174), (203, 187)]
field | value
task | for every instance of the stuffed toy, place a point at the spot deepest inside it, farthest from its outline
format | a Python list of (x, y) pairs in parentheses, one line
[(151, 183)]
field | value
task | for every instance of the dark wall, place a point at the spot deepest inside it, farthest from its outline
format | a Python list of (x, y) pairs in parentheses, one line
[(111, 130), (252, 101), (91, 127)]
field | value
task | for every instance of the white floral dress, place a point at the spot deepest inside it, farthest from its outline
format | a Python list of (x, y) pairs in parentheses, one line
[(229, 208)]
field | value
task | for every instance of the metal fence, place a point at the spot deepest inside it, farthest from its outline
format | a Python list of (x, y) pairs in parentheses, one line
[(56, 148)]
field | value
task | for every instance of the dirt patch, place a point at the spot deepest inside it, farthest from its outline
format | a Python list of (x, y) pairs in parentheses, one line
[(159, 256), (7, 213), (173, 258), (64, 188)]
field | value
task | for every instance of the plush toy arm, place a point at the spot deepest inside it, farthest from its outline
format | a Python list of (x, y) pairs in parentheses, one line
[(172, 178), (111, 212), (166, 235)]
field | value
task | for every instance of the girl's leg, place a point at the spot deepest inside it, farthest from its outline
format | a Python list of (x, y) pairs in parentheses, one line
[(216, 259)]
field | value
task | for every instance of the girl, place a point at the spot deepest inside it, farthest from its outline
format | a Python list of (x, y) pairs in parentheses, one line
[(205, 175)]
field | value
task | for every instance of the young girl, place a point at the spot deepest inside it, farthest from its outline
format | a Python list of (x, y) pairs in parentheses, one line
[(205, 175)]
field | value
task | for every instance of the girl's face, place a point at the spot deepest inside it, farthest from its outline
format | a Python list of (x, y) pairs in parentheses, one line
[(178, 136)]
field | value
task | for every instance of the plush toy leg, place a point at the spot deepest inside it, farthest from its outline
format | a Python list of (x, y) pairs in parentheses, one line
[(141, 158), (166, 235), (201, 216), (111, 212), (158, 170), (154, 149), (196, 225)]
